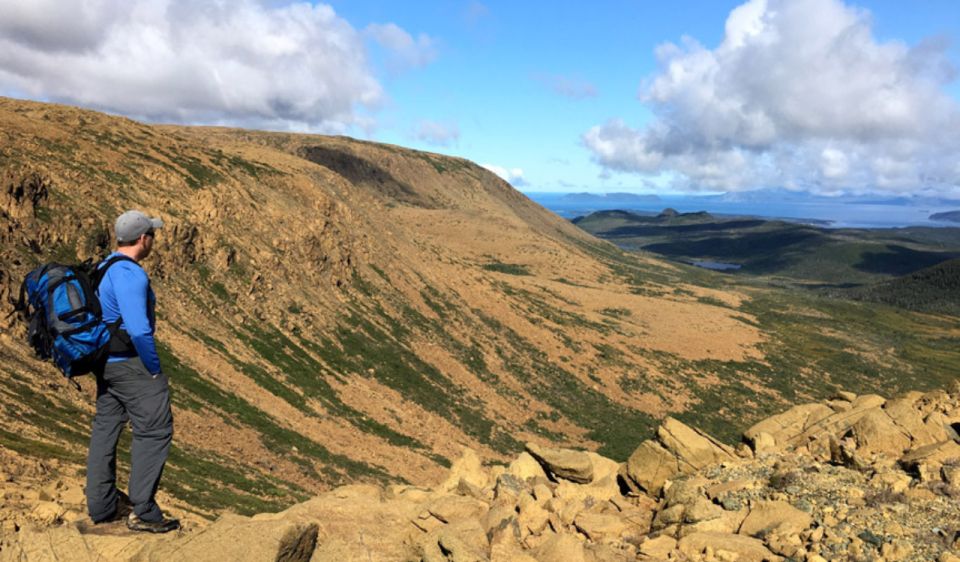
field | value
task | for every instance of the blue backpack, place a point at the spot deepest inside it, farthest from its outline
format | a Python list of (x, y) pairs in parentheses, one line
[(60, 303)]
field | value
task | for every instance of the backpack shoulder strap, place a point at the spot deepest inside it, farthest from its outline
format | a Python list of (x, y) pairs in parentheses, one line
[(101, 270)]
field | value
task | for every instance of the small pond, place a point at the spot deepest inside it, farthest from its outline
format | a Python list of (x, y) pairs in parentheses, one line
[(716, 265)]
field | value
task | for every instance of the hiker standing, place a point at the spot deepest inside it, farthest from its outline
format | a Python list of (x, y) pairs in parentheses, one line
[(131, 386)]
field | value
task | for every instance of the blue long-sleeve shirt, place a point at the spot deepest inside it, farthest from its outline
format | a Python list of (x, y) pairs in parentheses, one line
[(125, 293)]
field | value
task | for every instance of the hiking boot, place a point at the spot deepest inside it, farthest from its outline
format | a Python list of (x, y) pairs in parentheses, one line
[(123, 510), (165, 525)]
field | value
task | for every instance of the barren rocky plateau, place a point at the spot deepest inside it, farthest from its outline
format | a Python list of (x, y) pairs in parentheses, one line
[(853, 478)]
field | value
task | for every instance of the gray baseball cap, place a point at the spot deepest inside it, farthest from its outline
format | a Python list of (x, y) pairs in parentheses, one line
[(133, 224)]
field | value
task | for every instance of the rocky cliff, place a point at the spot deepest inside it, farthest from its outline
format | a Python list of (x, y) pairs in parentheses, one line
[(852, 478)]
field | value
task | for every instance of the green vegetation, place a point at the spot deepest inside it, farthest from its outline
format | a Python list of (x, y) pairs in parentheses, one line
[(508, 268), (801, 253)]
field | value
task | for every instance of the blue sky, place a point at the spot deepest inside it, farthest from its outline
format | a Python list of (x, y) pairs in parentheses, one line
[(823, 96)]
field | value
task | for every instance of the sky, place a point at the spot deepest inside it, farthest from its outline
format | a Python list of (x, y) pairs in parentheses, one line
[(827, 97)]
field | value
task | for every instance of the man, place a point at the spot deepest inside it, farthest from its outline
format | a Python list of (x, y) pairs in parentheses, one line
[(130, 387)]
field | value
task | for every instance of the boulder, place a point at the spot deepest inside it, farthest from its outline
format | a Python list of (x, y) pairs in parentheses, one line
[(508, 487), (741, 548), (233, 537), (525, 467), (69, 543), (599, 491), (782, 428), (568, 464), (876, 433), (468, 469), (561, 548), (906, 413), (602, 466), (47, 512), (454, 508), (778, 517), (694, 448), (464, 541), (361, 518), (727, 522), (928, 460), (650, 465), (599, 527), (702, 510), (658, 547)]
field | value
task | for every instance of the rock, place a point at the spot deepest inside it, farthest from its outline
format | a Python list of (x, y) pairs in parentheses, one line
[(233, 537), (650, 465), (896, 551), (575, 466), (927, 460), (497, 516), (844, 395), (542, 493), (718, 490), (727, 522), (525, 467), (454, 508), (561, 548), (47, 512), (702, 510), (602, 466), (775, 517), (67, 543), (609, 553), (782, 428), (745, 549), (951, 474), (906, 412), (692, 447), (532, 519), (467, 468), (669, 516), (658, 547), (867, 401), (464, 541), (948, 557), (599, 527), (894, 481), (73, 496), (597, 492), (763, 442), (508, 487), (361, 519), (876, 432)]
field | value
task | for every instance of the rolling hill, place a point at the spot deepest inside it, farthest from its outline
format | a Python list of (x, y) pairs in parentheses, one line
[(334, 311)]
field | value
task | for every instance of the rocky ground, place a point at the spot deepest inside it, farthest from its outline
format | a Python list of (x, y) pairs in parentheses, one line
[(855, 478)]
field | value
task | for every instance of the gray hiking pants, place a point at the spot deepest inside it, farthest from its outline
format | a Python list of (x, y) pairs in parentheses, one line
[(127, 391)]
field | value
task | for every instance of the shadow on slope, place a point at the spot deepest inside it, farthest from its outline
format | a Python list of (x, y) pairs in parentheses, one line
[(900, 260), (361, 171)]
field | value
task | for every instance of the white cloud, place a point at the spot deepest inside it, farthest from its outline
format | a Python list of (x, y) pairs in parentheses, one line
[(405, 51), (243, 62), (436, 133), (799, 94), (568, 86), (514, 176)]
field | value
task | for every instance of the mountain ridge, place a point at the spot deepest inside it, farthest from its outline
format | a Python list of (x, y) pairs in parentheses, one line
[(433, 305), (361, 319)]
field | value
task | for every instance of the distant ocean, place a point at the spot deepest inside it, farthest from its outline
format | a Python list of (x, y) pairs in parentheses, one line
[(820, 211)]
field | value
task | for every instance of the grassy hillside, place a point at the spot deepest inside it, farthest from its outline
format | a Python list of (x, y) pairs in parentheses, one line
[(776, 249), (934, 289), (332, 311)]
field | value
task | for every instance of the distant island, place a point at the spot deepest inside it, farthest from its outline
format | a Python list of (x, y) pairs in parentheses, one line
[(951, 216), (613, 198)]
